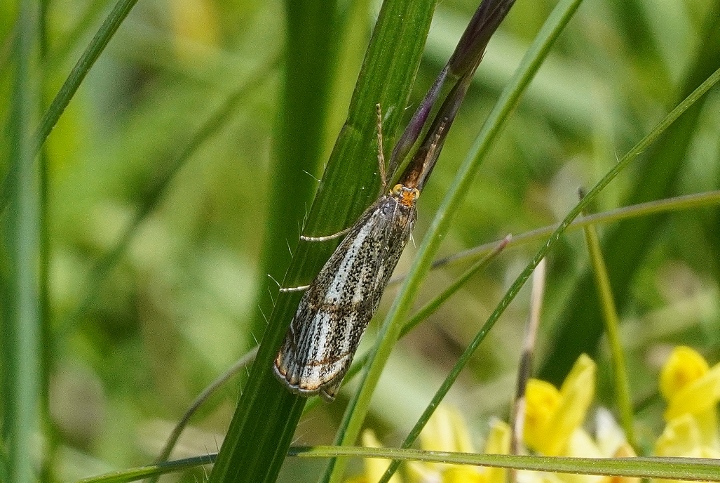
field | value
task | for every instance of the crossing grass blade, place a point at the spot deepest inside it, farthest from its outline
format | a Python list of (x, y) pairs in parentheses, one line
[(580, 327)]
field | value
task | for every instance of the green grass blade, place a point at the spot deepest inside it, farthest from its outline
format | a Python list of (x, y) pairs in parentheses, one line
[(22, 320), (700, 469), (581, 324), (108, 28), (72, 83), (676, 203), (151, 471), (697, 469), (612, 330), (527, 272), (157, 192), (267, 413), (310, 57), (390, 331)]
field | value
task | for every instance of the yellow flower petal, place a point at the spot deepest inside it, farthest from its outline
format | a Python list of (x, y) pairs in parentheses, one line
[(577, 393), (446, 431), (375, 468), (698, 396), (679, 438), (683, 367), (462, 441), (551, 418), (684, 437), (462, 474), (541, 402), (498, 442), (581, 445)]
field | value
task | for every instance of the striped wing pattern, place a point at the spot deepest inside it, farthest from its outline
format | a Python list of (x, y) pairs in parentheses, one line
[(337, 307)]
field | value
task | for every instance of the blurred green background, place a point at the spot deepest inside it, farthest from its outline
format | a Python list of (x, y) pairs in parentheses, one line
[(130, 349)]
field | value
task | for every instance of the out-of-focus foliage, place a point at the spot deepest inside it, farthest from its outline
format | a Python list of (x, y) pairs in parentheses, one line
[(131, 350)]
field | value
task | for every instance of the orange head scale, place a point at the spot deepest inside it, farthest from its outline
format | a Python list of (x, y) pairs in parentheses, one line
[(405, 195)]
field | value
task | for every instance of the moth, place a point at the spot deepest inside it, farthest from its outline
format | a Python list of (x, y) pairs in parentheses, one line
[(337, 307), (335, 310)]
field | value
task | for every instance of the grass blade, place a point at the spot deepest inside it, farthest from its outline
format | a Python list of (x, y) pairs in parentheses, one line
[(390, 331), (22, 328), (527, 272), (700, 469), (267, 413), (612, 324), (72, 83), (581, 324)]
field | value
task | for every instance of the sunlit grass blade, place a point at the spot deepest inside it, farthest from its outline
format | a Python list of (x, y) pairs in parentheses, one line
[(388, 335)]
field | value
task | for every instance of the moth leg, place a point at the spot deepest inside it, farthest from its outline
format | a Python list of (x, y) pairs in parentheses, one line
[(328, 393), (383, 179), (326, 237), (300, 288)]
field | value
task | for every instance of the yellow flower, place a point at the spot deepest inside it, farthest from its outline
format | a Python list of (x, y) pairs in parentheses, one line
[(692, 390), (553, 416), (683, 437), (447, 431), (553, 425), (374, 467), (688, 384)]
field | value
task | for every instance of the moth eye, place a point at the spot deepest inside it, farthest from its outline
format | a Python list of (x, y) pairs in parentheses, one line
[(397, 189)]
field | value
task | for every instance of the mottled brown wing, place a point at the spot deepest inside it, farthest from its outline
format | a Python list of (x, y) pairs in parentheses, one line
[(333, 314)]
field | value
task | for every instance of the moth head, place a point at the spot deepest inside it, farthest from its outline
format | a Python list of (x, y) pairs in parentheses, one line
[(406, 196)]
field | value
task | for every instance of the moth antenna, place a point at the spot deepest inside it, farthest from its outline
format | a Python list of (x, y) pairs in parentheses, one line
[(381, 155)]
